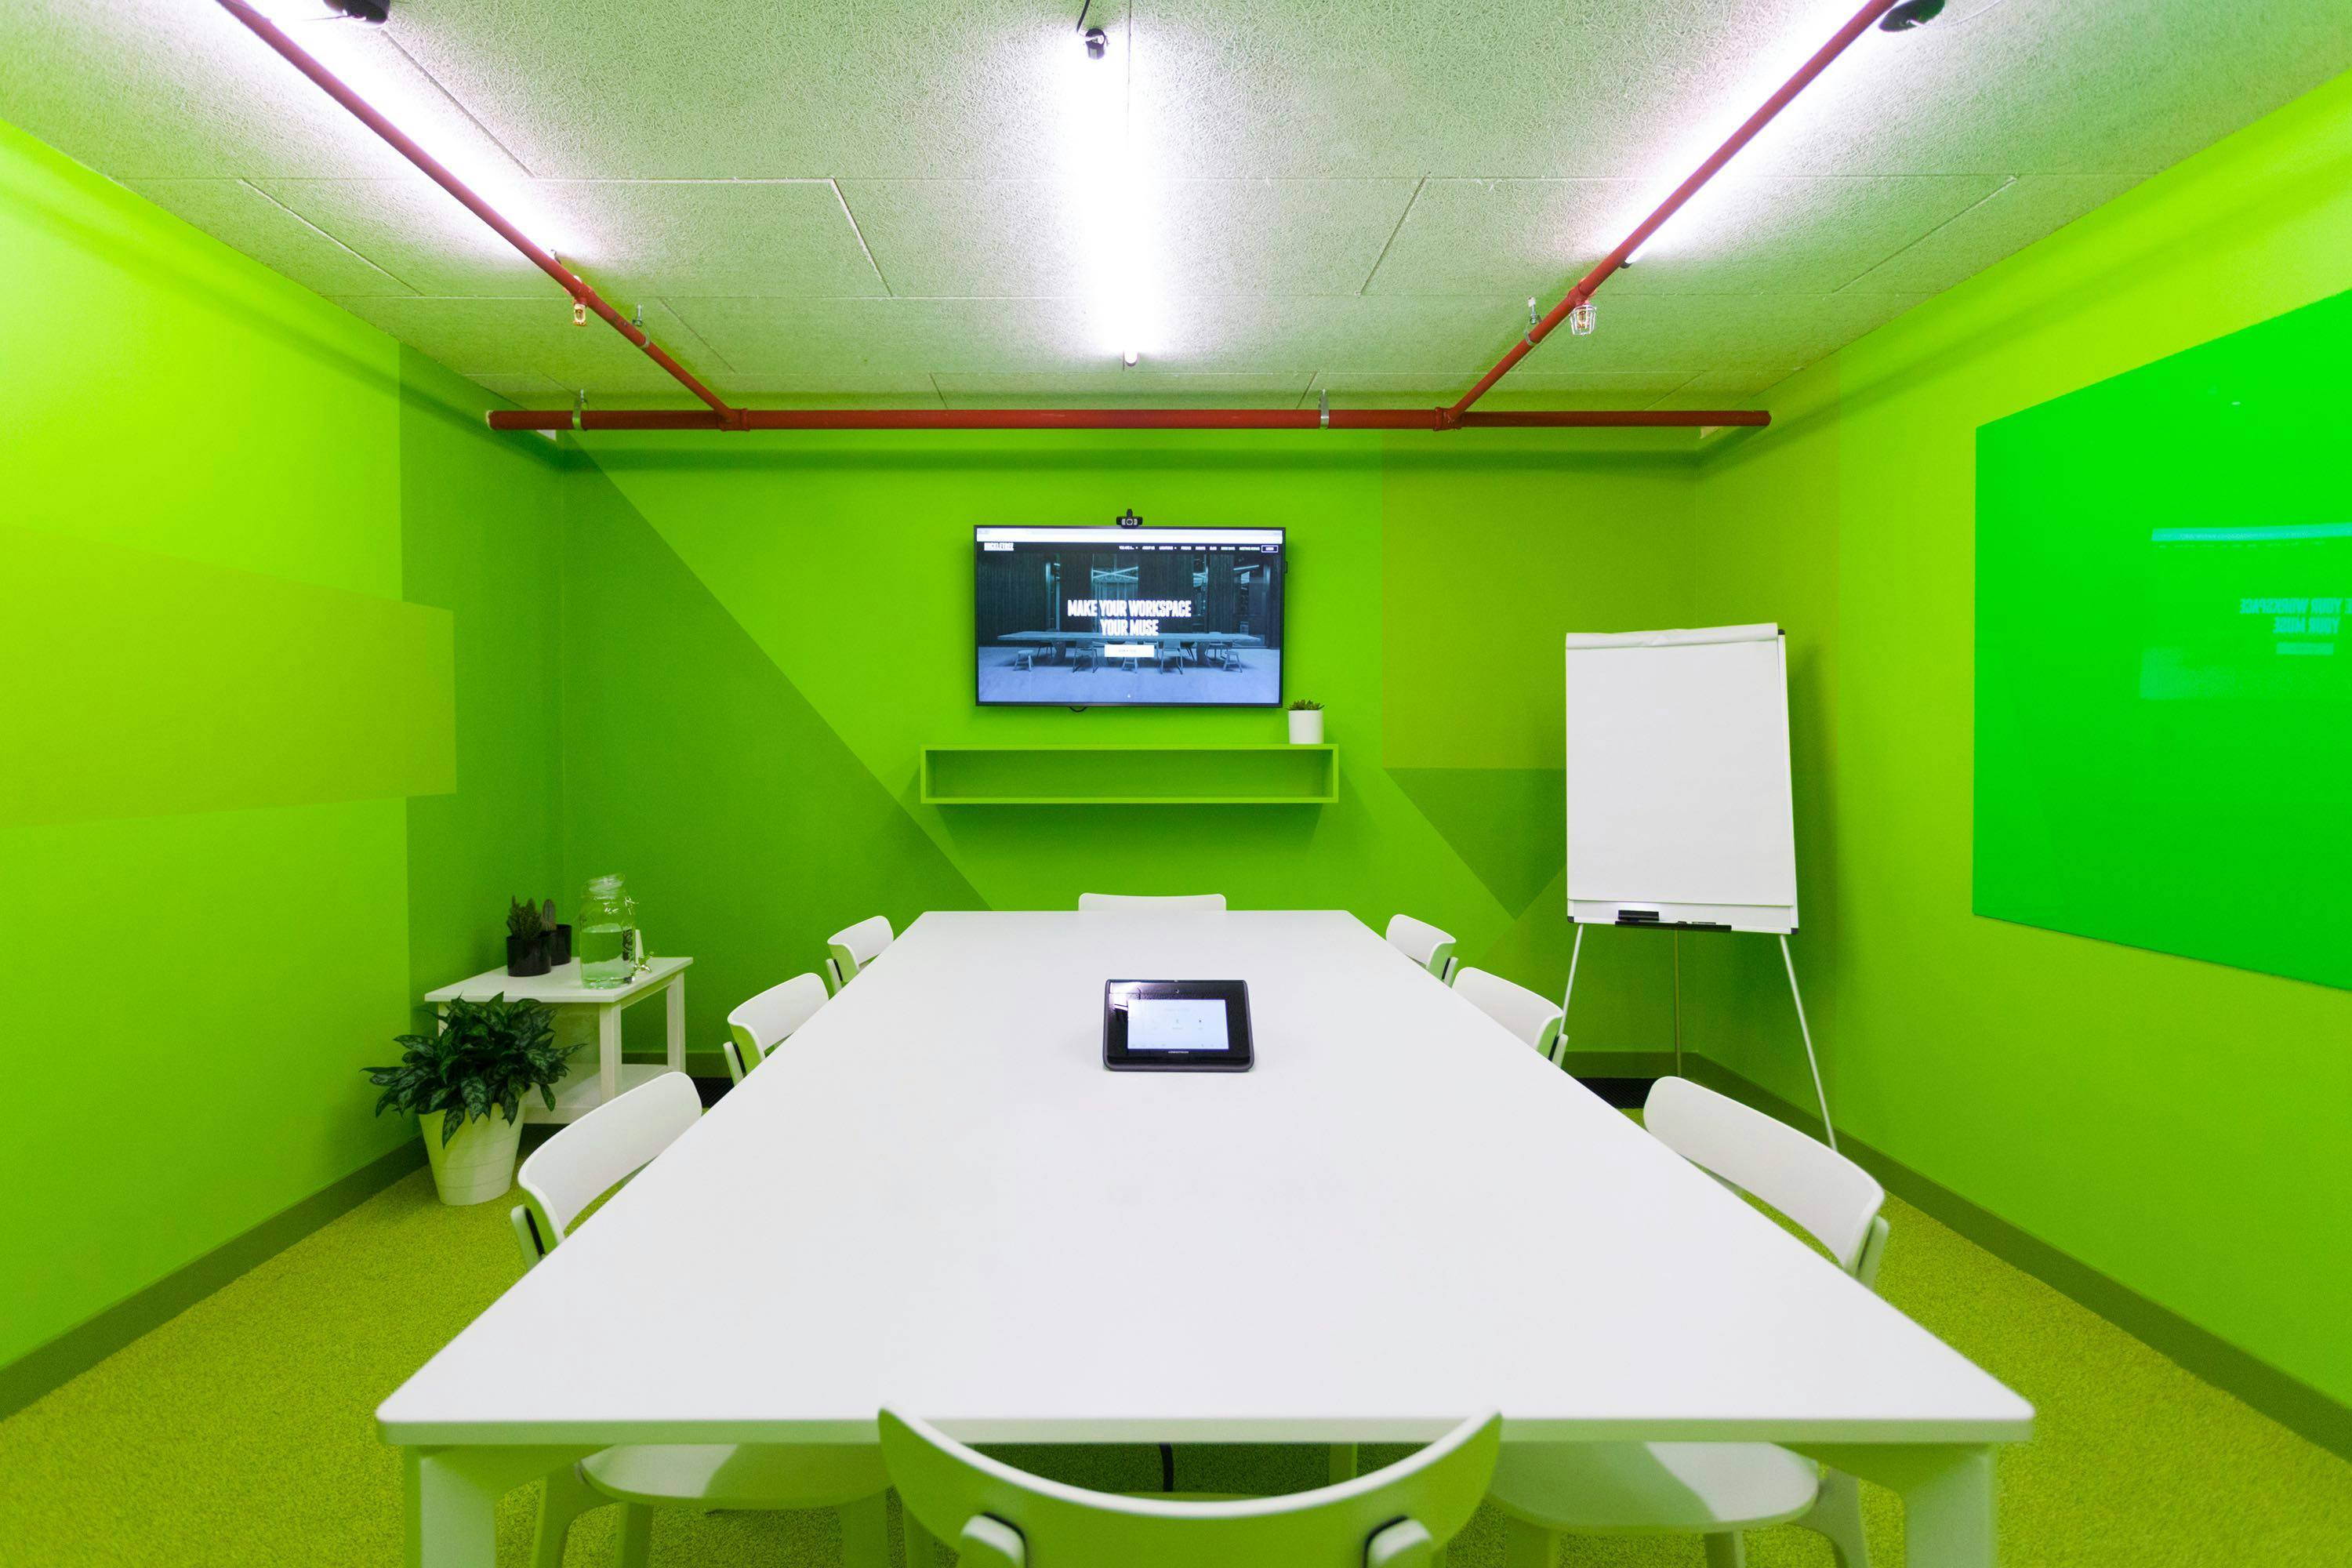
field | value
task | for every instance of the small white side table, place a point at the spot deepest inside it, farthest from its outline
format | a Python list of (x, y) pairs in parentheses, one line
[(561, 986)]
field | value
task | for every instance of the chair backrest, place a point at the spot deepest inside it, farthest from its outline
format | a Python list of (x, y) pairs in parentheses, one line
[(595, 1154), (767, 1020), (998, 1517), (1835, 1200), (1423, 943), (1142, 902), (1532, 1017), (851, 948)]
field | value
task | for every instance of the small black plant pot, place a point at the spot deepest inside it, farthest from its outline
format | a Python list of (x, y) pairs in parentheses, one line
[(527, 954), (558, 946)]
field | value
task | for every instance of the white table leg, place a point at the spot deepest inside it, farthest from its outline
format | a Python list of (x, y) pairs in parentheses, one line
[(453, 1499), (676, 1000), (608, 1051), (1948, 1515)]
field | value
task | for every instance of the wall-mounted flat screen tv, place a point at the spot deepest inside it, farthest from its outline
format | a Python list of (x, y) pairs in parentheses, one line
[(1129, 617)]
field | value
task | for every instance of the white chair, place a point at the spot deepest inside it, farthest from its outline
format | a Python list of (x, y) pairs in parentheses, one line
[(1531, 1017), (1423, 944), (563, 1177), (767, 1020), (1713, 1490), (596, 1154), (1138, 901), (998, 1517), (852, 949)]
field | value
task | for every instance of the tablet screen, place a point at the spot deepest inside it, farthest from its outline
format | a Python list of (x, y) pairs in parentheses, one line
[(1176, 1024)]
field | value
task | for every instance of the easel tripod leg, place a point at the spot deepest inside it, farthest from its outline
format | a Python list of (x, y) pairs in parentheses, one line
[(1804, 1028)]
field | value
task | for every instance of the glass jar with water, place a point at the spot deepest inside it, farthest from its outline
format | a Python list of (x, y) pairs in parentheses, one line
[(604, 935)]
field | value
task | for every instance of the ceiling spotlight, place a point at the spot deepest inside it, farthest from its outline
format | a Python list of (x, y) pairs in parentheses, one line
[(1909, 15), (1129, 358), (1096, 43)]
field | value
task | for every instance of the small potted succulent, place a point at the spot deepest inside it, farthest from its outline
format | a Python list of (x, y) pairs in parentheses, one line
[(465, 1083), (526, 939), (1305, 722)]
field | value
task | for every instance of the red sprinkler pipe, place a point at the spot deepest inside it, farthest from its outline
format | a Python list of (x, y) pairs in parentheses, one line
[(262, 27), (1858, 24), (1112, 419)]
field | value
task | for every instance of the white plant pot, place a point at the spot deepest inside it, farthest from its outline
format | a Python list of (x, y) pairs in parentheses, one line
[(476, 1165), (1305, 726)]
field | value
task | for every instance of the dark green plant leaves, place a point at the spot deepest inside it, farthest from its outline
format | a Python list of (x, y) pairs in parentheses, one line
[(485, 1058)]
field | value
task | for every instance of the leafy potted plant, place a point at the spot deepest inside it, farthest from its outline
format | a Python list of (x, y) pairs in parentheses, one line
[(526, 939), (1305, 722), (465, 1084)]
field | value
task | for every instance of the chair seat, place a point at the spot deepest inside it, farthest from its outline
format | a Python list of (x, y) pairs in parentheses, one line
[(740, 1475), (1640, 1489)]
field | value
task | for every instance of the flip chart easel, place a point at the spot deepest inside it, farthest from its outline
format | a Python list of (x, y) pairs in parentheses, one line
[(1679, 808)]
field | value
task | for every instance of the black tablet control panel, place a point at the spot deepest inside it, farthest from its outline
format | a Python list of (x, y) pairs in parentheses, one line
[(1177, 1026)]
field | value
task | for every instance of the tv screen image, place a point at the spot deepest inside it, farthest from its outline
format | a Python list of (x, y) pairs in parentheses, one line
[(1133, 617)]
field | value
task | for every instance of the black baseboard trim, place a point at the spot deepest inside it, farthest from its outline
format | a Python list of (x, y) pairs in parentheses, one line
[(94, 1338), (2290, 1403)]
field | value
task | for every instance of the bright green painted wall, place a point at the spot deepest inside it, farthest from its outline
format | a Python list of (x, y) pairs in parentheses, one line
[(761, 638), (2180, 1126), (224, 700), (481, 538)]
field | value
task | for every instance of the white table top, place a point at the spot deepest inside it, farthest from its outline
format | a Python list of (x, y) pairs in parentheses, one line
[(935, 1198), (561, 984)]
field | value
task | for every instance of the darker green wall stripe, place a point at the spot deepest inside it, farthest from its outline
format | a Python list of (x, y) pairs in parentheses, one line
[(2294, 1405), (94, 1338)]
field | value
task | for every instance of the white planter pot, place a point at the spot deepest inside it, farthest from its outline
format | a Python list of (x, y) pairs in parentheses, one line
[(1305, 726), (476, 1165)]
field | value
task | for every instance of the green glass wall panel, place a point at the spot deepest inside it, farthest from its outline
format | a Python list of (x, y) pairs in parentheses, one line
[(2164, 678)]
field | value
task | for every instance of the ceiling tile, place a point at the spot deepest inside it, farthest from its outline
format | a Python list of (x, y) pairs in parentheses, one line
[(683, 90), (1521, 389), (776, 238), (417, 231), (1041, 238), (2056, 86), (519, 337), (1122, 388), (246, 218), (2008, 220), (886, 338), (174, 90), (1739, 236), (530, 390), (630, 238)]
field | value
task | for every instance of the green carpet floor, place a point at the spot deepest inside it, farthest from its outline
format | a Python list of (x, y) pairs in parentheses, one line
[(240, 1432)]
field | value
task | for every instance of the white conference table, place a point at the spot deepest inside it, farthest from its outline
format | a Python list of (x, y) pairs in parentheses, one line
[(934, 1197)]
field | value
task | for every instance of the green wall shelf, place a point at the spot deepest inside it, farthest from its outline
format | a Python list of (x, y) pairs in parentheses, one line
[(1130, 775)]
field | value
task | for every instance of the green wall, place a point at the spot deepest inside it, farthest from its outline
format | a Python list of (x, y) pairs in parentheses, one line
[(2178, 1126), (761, 638), (278, 618)]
